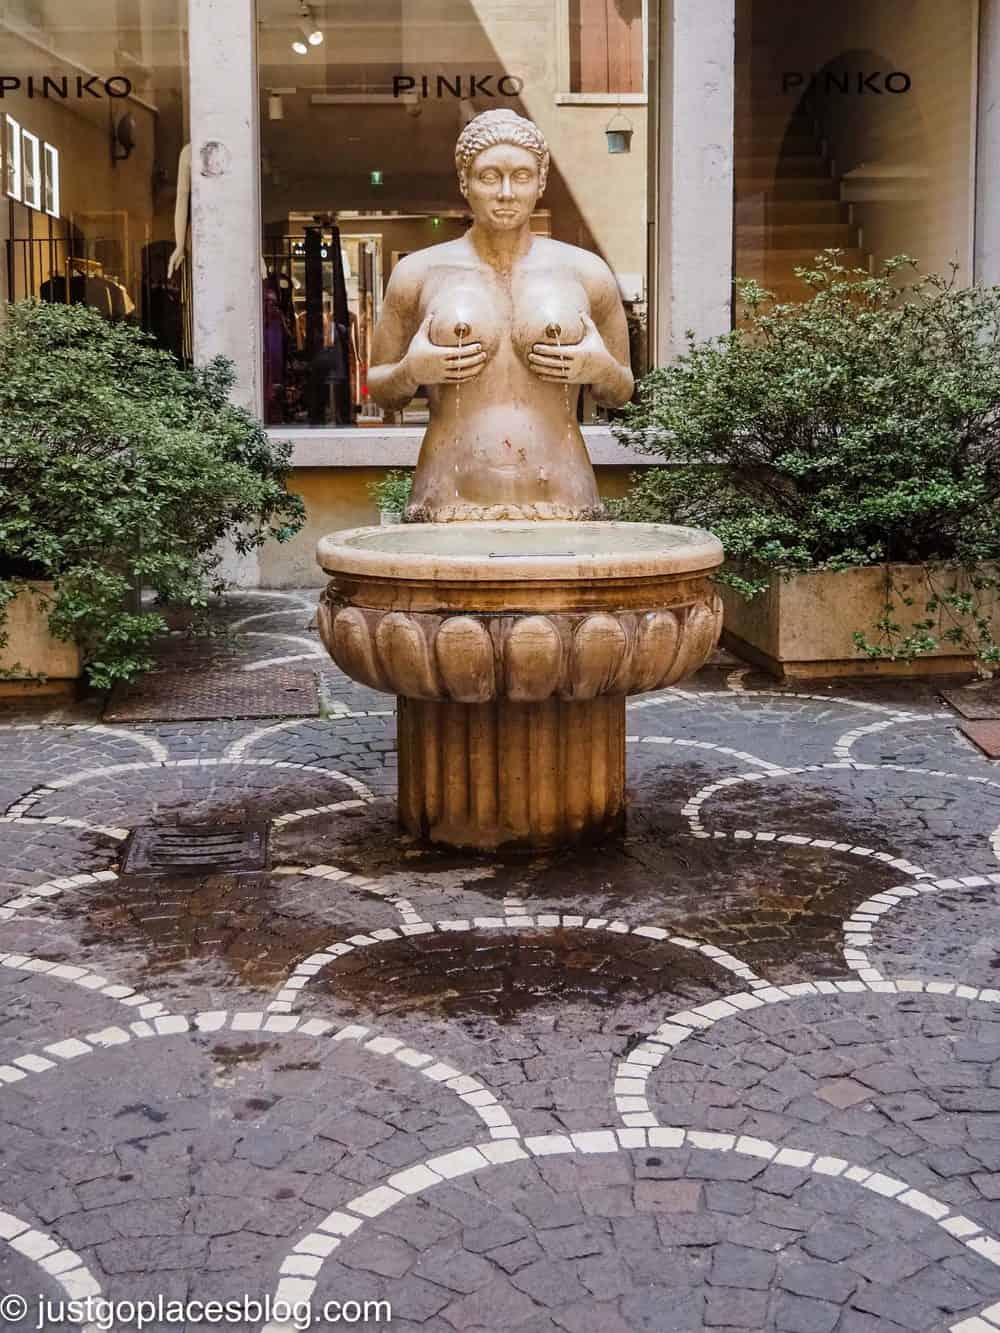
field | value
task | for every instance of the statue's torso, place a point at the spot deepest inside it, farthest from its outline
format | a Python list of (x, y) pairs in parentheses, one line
[(506, 440)]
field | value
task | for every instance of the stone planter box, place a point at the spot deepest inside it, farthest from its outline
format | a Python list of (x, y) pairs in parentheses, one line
[(803, 626), (34, 649)]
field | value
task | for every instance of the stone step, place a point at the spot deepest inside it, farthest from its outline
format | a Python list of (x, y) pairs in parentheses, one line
[(789, 187), (797, 237), (778, 264), (753, 121), (775, 212), (771, 145), (806, 164)]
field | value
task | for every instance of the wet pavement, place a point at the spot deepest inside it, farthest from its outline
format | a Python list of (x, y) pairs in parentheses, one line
[(739, 1069)]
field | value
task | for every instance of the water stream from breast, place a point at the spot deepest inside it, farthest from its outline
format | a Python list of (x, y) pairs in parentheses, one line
[(554, 331), (462, 331)]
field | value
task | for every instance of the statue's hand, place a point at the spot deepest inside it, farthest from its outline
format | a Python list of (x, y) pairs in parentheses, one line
[(576, 363), (428, 363), (175, 261)]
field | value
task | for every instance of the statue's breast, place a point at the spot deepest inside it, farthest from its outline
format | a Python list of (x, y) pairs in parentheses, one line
[(466, 311), (548, 309)]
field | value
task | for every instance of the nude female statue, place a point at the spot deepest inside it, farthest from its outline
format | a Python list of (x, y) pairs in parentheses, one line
[(502, 327)]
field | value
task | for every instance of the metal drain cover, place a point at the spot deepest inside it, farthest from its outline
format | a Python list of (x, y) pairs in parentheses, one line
[(202, 696), (196, 849)]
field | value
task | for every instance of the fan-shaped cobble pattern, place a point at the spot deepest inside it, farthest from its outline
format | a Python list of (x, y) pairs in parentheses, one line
[(739, 1070)]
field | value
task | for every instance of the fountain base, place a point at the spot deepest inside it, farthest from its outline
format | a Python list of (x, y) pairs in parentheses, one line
[(511, 648), (504, 774)]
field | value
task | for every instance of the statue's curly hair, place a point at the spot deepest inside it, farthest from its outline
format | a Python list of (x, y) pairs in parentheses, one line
[(501, 126)]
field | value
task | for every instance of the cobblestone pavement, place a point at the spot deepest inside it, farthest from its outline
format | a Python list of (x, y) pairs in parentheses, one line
[(739, 1070)]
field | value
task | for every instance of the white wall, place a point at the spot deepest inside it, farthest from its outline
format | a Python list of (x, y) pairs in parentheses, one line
[(987, 257), (694, 231)]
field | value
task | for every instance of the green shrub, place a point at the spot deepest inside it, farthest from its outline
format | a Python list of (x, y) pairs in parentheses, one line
[(392, 492), (858, 427), (118, 469)]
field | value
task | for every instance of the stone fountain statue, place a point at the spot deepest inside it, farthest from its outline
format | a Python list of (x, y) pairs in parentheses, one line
[(502, 327), (511, 643)]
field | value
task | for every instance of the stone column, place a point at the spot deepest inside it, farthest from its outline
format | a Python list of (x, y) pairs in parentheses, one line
[(225, 204), (987, 235), (694, 212), (502, 773)]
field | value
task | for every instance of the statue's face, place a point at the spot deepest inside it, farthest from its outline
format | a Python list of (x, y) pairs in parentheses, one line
[(502, 186)]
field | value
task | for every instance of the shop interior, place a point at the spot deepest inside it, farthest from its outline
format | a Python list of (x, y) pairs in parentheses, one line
[(96, 186)]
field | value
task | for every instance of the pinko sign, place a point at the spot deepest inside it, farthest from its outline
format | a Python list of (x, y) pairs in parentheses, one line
[(846, 81), (65, 88)]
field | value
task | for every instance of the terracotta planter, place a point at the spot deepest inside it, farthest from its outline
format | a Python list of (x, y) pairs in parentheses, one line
[(33, 649), (804, 625)]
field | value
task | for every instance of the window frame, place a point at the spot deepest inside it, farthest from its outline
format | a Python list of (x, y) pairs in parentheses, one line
[(51, 168), (13, 184), (31, 144)]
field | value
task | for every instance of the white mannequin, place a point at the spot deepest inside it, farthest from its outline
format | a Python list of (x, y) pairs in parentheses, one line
[(181, 211)]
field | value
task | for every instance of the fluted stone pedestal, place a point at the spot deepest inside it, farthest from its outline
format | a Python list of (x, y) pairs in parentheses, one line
[(511, 648), (537, 774)]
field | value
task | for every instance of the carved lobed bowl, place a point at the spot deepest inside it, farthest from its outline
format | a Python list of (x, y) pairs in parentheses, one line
[(525, 612)]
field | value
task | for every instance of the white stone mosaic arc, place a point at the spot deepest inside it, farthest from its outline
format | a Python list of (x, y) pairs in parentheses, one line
[(290, 992), (314, 646), (692, 807), (986, 1321), (87, 979), (278, 595), (694, 696), (107, 831), (468, 1088), (235, 626), (843, 745), (53, 1260), (824, 844), (280, 661), (858, 928), (36, 794), (155, 747), (41, 893), (402, 905), (295, 816), (301, 1268), (238, 748), (742, 755), (632, 1073), (995, 842)]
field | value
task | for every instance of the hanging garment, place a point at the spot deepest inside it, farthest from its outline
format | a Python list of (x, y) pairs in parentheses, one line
[(275, 354)]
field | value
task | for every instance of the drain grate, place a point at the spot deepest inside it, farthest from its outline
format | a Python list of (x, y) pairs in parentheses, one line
[(196, 849), (200, 696)]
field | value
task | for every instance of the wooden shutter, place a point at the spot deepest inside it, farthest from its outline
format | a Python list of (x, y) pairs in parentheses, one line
[(605, 46)]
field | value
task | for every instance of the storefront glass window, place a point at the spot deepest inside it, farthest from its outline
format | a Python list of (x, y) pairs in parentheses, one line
[(93, 95), (361, 104), (854, 129)]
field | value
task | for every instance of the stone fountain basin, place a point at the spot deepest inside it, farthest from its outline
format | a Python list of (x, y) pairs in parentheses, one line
[(472, 612)]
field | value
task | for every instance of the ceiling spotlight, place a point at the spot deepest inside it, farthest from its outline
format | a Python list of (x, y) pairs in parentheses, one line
[(312, 34)]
